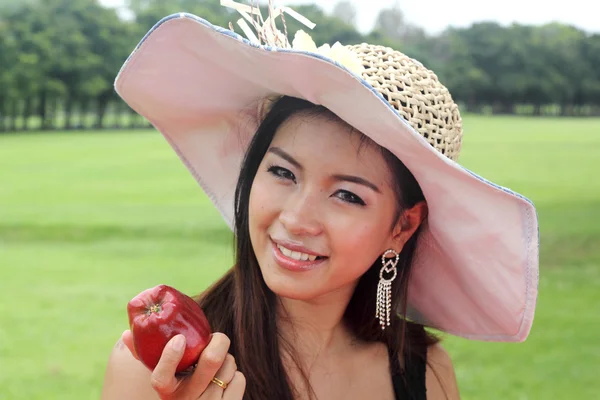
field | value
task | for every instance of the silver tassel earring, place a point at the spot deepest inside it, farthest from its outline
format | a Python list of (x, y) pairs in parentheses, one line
[(384, 288)]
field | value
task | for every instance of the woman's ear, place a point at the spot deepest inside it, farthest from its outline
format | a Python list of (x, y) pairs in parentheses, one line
[(407, 224)]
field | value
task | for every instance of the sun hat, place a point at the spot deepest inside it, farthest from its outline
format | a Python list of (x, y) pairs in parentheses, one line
[(205, 88)]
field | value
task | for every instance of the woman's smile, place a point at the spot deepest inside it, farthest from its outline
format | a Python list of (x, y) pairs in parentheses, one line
[(294, 256), (294, 260)]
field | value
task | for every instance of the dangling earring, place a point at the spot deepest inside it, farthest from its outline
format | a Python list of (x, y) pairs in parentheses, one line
[(384, 289)]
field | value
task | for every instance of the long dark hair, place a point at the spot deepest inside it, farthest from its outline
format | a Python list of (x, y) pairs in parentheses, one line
[(244, 308)]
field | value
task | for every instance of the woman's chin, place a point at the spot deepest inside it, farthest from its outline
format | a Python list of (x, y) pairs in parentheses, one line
[(288, 288)]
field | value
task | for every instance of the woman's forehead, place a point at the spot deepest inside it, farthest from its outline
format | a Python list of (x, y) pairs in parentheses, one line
[(323, 140), (324, 132)]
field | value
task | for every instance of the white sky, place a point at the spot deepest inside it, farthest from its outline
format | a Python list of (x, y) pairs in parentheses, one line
[(435, 15)]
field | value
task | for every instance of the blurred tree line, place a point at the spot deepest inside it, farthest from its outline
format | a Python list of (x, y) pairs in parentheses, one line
[(59, 59)]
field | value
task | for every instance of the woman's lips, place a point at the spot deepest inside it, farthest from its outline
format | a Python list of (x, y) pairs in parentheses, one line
[(292, 264), (295, 247)]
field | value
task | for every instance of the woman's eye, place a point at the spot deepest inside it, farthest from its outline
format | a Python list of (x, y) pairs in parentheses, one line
[(282, 173), (350, 197)]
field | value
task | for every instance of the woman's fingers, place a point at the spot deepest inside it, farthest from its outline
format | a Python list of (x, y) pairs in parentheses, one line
[(163, 378), (214, 362), (236, 388), (224, 374), (211, 360), (127, 339)]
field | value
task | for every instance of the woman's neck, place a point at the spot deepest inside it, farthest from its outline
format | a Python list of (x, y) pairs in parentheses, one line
[(315, 328)]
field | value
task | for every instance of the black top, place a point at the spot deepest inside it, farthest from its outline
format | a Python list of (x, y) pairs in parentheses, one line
[(409, 385)]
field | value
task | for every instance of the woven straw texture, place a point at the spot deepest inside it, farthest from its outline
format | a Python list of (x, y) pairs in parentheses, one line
[(416, 93)]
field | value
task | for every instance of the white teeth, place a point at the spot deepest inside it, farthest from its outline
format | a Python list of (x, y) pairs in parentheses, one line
[(286, 252), (296, 255)]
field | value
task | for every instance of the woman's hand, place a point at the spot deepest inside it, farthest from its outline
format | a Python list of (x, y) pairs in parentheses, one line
[(215, 361)]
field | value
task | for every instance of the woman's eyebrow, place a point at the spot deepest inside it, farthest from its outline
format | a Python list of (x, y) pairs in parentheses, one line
[(285, 156), (339, 177), (358, 180)]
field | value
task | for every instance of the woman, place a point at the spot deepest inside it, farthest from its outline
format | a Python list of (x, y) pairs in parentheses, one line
[(355, 227)]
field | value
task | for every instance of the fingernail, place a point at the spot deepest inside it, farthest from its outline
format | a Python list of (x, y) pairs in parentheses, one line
[(178, 343)]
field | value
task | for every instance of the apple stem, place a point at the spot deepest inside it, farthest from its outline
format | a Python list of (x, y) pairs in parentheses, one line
[(154, 309)]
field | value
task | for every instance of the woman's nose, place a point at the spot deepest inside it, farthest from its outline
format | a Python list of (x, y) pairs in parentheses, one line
[(300, 216)]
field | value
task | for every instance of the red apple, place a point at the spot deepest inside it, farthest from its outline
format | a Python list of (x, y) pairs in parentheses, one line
[(158, 314)]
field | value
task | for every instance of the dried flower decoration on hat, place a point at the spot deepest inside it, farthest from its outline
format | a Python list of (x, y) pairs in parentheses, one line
[(338, 52), (267, 33)]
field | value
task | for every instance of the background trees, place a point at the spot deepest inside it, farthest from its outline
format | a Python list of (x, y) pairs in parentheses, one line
[(59, 58)]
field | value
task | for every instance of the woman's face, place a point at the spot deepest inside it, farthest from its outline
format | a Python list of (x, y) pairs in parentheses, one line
[(321, 210)]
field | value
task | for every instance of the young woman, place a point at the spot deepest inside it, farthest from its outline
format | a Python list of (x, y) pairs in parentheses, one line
[(355, 228)]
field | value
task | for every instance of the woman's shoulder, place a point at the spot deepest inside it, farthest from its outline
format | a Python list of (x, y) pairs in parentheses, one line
[(440, 376), (125, 377)]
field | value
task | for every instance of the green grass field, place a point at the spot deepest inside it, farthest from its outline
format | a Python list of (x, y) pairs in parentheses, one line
[(88, 220)]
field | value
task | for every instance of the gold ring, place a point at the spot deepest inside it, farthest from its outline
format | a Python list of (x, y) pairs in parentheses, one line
[(219, 382)]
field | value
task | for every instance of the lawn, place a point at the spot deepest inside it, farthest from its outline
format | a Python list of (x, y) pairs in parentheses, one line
[(88, 220)]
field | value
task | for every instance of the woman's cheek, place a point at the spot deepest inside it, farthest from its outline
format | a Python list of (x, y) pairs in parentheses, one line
[(265, 198), (359, 245)]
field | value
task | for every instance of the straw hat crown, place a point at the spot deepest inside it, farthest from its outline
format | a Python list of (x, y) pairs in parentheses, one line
[(416, 93)]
